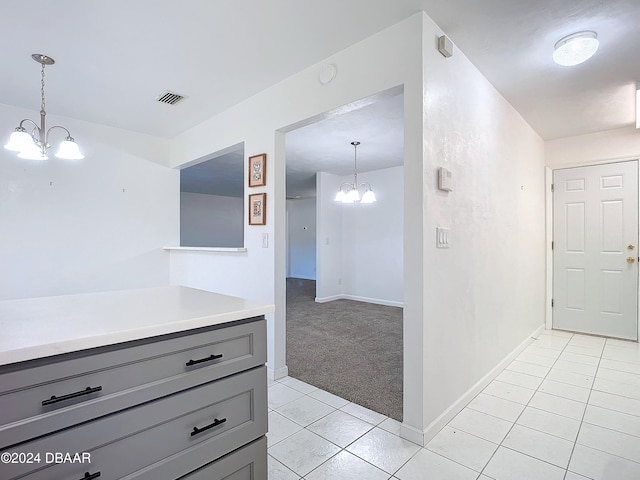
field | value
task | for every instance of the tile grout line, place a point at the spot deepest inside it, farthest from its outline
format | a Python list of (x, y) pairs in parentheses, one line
[(368, 431), (514, 422), (373, 426), (568, 343), (585, 410), (527, 404)]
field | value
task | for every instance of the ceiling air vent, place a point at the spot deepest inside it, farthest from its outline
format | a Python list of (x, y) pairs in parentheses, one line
[(170, 98)]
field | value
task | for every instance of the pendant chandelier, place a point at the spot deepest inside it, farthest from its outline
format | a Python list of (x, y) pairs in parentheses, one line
[(350, 192), (33, 145)]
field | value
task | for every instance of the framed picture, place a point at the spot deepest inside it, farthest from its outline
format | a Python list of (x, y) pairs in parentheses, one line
[(258, 209), (258, 170)]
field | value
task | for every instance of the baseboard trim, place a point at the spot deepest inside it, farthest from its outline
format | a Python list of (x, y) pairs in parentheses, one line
[(412, 434), (330, 298), (376, 301), (423, 437), (277, 374)]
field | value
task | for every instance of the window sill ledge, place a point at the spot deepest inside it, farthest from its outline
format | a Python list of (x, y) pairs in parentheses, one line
[(207, 249)]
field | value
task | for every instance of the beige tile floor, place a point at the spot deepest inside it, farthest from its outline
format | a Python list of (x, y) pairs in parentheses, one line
[(568, 408)]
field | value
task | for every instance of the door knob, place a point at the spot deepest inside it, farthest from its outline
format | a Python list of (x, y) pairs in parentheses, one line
[(630, 247), (630, 259)]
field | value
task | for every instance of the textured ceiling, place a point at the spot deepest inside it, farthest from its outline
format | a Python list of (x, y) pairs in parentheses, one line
[(114, 58)]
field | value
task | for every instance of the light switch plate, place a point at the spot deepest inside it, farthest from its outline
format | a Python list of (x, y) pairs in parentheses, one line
[(442, 237), (445, 179)]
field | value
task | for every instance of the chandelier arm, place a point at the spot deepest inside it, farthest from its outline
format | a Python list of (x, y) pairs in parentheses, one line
[(348, 184), (30, 121), (56, 126)]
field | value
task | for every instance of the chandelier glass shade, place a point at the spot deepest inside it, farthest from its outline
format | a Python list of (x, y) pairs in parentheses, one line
[(350, 192), (33, 144)]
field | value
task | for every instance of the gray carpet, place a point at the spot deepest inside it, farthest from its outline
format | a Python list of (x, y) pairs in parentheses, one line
[(351, 349)]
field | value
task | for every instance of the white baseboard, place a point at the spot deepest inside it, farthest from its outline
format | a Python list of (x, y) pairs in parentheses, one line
[(330, 298), (412, 434), (422, 438), (278, 373), (377, 301)]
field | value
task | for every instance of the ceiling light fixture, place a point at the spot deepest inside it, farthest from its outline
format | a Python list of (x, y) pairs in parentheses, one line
[(575, 48), (348, 192), (33, 145)]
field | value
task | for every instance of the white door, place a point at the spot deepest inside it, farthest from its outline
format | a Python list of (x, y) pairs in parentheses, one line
[(595, 250)]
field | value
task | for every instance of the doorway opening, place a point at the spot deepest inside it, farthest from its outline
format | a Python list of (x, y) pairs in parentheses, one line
[(345, 262)]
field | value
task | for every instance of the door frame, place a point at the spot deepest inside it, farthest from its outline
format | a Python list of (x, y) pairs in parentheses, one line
[(548, 180)]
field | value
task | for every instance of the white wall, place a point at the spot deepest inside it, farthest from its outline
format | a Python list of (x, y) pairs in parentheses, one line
[(329, 238), (301, 236), (372, 251), (211, 220), (619, 144), (81, 226), (381, 62), (485, 294), (364, 257)]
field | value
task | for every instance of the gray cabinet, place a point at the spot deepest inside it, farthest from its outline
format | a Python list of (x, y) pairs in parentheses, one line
[(189, 405)]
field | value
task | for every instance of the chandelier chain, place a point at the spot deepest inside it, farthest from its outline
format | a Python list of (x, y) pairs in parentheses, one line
[(355, 158), (42, 90)]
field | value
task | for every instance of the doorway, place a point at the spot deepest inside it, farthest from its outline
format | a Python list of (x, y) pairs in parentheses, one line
[(595, 249), (344, 285)]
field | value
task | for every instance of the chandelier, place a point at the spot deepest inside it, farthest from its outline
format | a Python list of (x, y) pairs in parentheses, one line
[(33, 144), (350, 192)]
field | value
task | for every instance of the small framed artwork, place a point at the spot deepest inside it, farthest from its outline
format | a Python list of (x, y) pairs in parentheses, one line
[(258, 209), (258, 170)]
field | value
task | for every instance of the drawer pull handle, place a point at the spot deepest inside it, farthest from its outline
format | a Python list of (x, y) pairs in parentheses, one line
[(86, 391), (90, 476), (202, 360), (215, 423)]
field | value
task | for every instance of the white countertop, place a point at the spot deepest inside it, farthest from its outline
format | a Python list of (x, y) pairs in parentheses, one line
[(40, 327)]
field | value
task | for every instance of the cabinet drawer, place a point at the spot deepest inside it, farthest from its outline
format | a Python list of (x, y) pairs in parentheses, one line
[(225, 414), (120, 376), (246, 463)]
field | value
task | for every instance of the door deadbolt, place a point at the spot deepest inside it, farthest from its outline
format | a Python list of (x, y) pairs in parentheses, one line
[(630, 247), (630, 259)]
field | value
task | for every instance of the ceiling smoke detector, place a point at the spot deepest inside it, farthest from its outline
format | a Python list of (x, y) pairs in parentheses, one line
[(170, 98)]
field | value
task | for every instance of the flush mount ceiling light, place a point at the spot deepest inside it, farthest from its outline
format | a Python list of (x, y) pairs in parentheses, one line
[(33, 145), (349, 192), (575, 48)]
